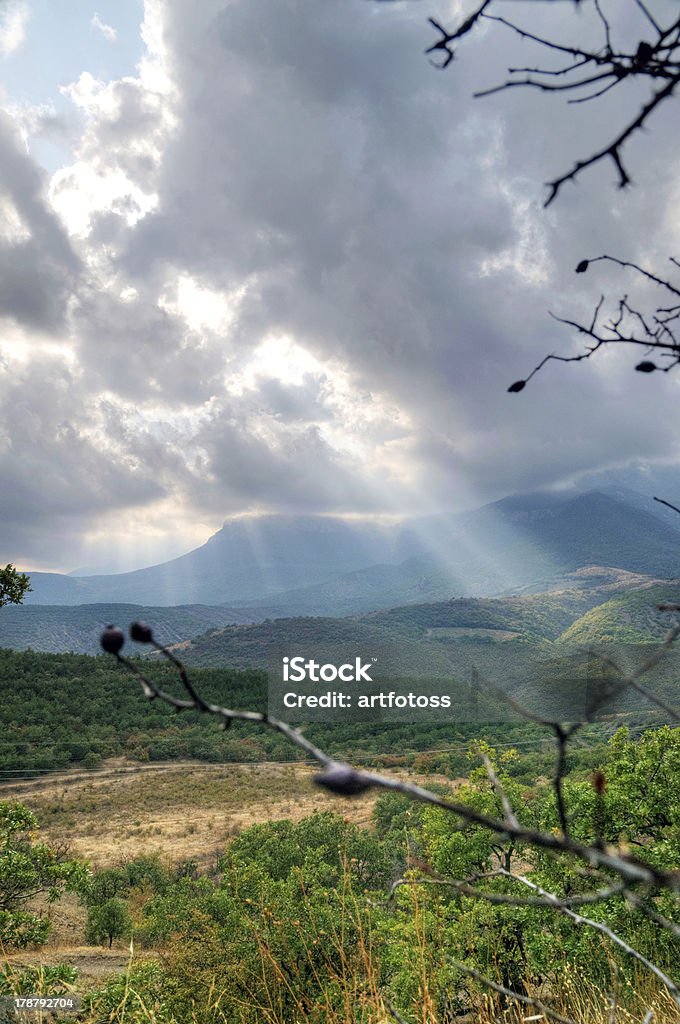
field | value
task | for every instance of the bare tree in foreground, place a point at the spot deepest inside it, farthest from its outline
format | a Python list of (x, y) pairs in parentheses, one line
[(654, 330), (585, 72), (614, 871)]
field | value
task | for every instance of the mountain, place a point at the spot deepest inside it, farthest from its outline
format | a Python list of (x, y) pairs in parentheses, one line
[(313, 565), (381, 586), (248, 559), (525, 544), (530, 544)]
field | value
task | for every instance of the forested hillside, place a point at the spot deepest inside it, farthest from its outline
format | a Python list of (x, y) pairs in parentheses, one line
[(322, 917), (76, 628), (61, 710), (524, 619)]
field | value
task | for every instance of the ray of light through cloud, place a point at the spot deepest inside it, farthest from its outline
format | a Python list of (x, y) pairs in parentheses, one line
[(261, 257)]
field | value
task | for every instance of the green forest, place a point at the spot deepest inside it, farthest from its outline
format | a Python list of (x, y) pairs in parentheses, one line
[(64, 710)]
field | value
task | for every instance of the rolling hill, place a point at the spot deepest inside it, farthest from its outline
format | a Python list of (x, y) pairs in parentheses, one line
[(530, 619), (60, 629), (628, 618), (57, 628)]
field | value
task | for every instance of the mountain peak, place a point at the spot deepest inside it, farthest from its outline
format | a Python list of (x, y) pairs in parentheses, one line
[(518, 542)]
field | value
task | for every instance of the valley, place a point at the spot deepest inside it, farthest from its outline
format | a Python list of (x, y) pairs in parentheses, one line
[(180, 818)]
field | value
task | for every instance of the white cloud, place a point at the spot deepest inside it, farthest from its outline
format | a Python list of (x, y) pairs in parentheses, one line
[(14, 15), (13, 227), (106, 30)]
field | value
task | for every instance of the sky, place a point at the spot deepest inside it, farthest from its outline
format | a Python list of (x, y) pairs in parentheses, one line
[(260, 256)]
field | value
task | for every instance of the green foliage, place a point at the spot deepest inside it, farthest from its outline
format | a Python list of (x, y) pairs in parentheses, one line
[(283, 927), (139, 996), (108, 892), (13, 586), (628, 618), (28, 868), (48, 724), (47, 979), (299, 925), (77, 628), (108, 921)]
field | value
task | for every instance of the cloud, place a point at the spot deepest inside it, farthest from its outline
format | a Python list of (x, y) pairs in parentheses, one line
[(296, 268), (107, 31), (14, 16), (38, 266)]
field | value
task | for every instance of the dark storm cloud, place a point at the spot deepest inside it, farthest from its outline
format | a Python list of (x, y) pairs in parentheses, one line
[(55, 474), (380, 218), (38, 268), (384, 217)]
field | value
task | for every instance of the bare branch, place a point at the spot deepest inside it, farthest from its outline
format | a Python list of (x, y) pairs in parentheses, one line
[(657, 60), (393, 1012), (628, 326), (668, 504), (600, 927), (510, 994), (649, 17), (613, 150), (507, 809), (652, 914), (649, 663), (504, 899), (152, 692), (345, 780)]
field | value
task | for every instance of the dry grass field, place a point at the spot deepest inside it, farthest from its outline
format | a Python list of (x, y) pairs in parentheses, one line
[(179, 811), (191, 811)]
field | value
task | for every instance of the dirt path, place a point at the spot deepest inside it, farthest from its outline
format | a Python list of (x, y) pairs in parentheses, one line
[(93, 962)]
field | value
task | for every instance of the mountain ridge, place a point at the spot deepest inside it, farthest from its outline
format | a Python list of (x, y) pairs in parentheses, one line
[(297, 564)]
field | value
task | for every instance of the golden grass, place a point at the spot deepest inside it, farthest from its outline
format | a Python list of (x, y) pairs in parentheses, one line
[(179, 812)]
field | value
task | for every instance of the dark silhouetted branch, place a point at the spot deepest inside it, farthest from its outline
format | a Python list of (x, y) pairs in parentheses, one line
[(656, 60), (653, 330)]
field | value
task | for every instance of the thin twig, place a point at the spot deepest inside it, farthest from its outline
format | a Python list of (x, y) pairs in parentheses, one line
[(668, 504), (345, 780), (510, 994), (605, 929)]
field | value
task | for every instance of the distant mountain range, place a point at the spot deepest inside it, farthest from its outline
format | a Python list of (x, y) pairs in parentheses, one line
[(286, 565), (578, 551)]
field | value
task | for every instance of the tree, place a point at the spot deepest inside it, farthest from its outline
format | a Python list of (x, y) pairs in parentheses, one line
[(27, 869), (13, 585), (495, 832), (109, 920)]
